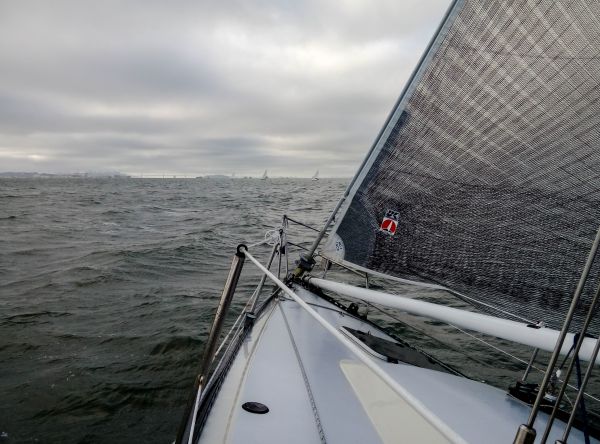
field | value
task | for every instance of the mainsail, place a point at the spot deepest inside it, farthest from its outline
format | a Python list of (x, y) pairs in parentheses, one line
[(486, 178)]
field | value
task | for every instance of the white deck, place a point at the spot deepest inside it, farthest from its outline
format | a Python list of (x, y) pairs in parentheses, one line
[(317, 391)]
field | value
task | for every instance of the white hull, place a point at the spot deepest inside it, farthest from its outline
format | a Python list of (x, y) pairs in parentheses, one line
[(318, 391)]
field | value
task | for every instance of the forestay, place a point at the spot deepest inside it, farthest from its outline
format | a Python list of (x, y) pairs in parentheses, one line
[(486, 178)]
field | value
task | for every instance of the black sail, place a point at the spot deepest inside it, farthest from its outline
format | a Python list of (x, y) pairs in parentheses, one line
[(486, 179)]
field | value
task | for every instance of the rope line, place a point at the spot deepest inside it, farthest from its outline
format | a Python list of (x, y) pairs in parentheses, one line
[(309, 392)]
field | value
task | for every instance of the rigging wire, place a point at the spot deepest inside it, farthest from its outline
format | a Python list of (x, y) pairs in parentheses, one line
[(424, 333), (437, 286), (302, 224), (483, 341)]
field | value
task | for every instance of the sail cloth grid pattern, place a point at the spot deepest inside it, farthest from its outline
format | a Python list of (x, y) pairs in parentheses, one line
[(489, 168)]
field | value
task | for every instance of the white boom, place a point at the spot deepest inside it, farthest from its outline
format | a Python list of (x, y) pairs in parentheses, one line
[(519, 332)]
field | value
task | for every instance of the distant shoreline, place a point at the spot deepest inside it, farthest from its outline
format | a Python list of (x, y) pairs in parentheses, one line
[(27, 175)]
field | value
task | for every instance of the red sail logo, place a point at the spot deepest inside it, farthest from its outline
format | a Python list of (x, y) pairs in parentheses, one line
[(389, 224)]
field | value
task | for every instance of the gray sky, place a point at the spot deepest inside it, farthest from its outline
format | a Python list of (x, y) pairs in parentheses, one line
[(199, 87)]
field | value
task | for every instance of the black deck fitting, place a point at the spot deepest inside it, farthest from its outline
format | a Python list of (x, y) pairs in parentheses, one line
[(239, 249)]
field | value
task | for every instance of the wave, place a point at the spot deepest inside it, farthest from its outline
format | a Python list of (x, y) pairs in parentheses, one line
[(107, 325), (34, 317), (176, 343)]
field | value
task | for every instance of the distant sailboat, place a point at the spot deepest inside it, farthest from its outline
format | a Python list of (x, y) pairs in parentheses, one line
[(316, 176), (264, 176)]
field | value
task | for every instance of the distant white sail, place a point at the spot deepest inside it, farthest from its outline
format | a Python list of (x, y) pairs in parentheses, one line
[(316, 176), (264, 176)]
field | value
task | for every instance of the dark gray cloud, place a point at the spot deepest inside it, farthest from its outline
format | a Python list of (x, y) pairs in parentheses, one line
[(198, 87)]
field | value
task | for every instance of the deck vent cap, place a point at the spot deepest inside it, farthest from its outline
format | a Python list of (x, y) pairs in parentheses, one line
[(255, 407)]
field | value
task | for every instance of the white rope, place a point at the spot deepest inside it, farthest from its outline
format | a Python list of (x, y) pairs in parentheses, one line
[(272, 237), (256, 244)]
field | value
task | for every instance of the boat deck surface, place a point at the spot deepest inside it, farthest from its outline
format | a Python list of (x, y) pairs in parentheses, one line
[(317, 391)]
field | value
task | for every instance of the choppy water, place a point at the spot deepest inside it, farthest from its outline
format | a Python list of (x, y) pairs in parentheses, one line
[(107, 290)]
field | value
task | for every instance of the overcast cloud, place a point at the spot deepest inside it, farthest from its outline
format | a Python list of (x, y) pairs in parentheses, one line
[(199, 87)]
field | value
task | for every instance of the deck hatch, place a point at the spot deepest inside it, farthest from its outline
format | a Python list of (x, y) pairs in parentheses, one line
[(391, 351)]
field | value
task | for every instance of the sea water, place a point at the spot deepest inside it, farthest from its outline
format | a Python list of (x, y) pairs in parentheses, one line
[(108, 288)]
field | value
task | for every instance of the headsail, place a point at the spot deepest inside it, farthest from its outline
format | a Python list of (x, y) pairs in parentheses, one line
[(486, 179)]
